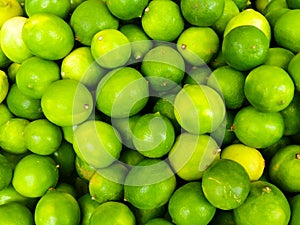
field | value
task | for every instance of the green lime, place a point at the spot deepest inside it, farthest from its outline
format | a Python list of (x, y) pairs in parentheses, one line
[(75, 3), (188, 205), (275, 5), (6, 172), (59, 8), (293, 4), (283, 167), (80, 65), (229, 83), (97, 143), (87, 206), (199, 109), (4, 86), (153, 135), (293, 70), (12, 71), (4, 61), (260, 5), (245, 53), (258, 129), (295, 206), (15, 213), (192, 154), (43, 174), (144, 215), (218, 60), (107, 184), (158, 221), (278, 56), (5, 113), (68, 133), (128, 9), (274, 15), (67, 188), (269, 88), (35, 75), (241, 4), (12, 43), (83, 169), (122, 92), (96, 17), (223, 217), (12, 135), (9, 9), (162, 20), (112, 213), (48, 36), (67, 102), (265, 205), (110, 48), (164, 68), (149, 184), (130, 157), (197, 52), (57, 206), (197, 75), (204, 13)]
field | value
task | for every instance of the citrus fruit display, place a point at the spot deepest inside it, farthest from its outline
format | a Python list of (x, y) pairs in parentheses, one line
[(149, 112)]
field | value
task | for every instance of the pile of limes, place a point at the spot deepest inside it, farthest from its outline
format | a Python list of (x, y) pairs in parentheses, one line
[(138, 112)]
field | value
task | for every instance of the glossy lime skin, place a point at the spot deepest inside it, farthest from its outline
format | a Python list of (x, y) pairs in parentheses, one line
[(15, 213)]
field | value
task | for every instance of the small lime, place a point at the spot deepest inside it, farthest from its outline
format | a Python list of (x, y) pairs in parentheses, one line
[(83, 169), (158, 221), (6, 172), (280, 57), (295, 207), (4, 86), (5, 113), (293, 70), (15, 213), (9, 9), (87, 206), (130, 157)]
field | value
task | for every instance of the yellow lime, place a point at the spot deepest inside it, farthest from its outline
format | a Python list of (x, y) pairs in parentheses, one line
[(4, 85), (59, 8), (5, 113), (9, 9)]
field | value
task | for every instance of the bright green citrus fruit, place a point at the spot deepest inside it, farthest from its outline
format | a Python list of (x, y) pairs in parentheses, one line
[(144, 215), (269, 88), (9, 9), (12, 42), (295, 207), (199, 109), (250, 158), (158, 221), (80, 65), (43, 174), (197, 75), (96, 17), (286, 32), (278, 56), (11, 135), (149, 184), (265, 204), (204, 13), (260, 5), (66, 187), (87, 206), (188, 205), (293, 70), (67, 102), (12, 71), (4, 85), (4, 61), (6, 172), (15, 213), (153, 135), (112, 213), (245, 53), (35, 75), (126, 10), (275, 5), (48, 36), (57, 206), (273, 15), (162, 20), (130, 157), (226, 184), (197, 52), (230, 84), (283, 168), (59, 8), (192, 154), (83, 169), (258, 129), (223, 217), (122, 92), (97, 143), (5, 113), (241, 4)]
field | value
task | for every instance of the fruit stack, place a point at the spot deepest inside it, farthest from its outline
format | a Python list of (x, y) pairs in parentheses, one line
[(138, 112)]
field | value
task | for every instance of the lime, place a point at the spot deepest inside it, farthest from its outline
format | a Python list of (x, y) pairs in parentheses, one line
[(275, 5), (67, 188), (144, 215), (110, 48), (258, 129), (223, 217), (130, 157), (149, 184), (68, 133), (162, 20), (67, 102), (59, 8), (158, 221), (57, 206), (34, 175), (107, 184), (83, 169), (197, 52), (15, 213), (293, 70), (241, 4), (112, 213), (226, 184), (192, 154), (75, 3), (4, 85), (283, 167), (48, 36), (12, 71), (5, 114), (153, 135), (199, 109), (87, 206), (204, 13), (97, 143), (6, 172), (278, 56), (35, 75), (269, 88), (273, 15), (96, 17), (4, 61), (128, 9), (188, 205), (9, 9), (245, 53), (295, 206), (12, 43), (218, 60), (122, 92), (12, 135), (80, 65), (293, 4), (286, 34), (250, 158), (230, 84), (265, 205), (260, 5), (197, 75)]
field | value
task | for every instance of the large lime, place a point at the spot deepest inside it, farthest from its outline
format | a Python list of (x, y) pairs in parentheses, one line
[(15, 213)]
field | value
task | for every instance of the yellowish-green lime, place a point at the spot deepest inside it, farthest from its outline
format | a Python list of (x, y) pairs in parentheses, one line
[(9, 9), (4, 85)]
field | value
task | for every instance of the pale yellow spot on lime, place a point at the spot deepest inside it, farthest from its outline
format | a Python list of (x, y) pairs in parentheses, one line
[(100, 38), (267, 189), (298, 156), (183, 46), (147, 10)]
